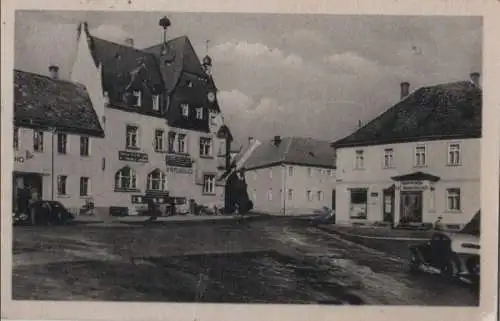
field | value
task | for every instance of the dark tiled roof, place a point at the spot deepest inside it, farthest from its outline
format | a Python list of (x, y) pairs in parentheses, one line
[(43, 102), (417, 176), (182, 58), (451, 110), (292, 150), (124, 65)]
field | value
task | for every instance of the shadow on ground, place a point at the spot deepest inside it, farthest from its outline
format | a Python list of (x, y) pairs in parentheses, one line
[(245, 277)]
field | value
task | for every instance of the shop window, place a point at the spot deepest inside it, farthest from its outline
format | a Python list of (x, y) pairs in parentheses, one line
[(358, 208)]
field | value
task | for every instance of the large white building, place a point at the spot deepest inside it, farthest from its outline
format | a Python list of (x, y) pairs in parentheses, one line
[(290, 175), (157, 115), (417, 162)]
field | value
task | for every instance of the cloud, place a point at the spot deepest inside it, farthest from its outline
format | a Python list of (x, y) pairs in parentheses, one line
[(306, 37), (111, 32), (351, 62), (234, 100), (229, 51)]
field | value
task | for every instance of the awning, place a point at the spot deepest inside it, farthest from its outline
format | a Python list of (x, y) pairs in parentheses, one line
[(416, 176)]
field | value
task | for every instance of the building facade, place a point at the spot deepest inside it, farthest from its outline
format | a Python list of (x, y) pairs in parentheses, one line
[(164, 136), (56, 132), (291, 176), (417, 163)]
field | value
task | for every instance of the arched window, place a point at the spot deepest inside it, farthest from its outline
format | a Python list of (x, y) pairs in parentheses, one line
[(157, 181), (125, 178)]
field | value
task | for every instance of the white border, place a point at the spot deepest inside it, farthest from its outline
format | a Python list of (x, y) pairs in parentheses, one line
[(489, 9)]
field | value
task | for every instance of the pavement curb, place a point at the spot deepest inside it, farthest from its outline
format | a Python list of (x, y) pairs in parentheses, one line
[(386, 238)]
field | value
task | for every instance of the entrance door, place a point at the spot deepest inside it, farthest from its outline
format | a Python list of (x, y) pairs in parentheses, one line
[(31, 181), (411, 207), (388, 205)]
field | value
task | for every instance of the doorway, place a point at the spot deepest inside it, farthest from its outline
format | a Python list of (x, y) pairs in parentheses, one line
[(334, 200), (411, 207), (388, 205), (20, 181)]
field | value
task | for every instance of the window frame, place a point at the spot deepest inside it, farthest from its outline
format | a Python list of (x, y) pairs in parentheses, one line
[(38, 140), (138, 98), (208, 184), (129, 134), (155, 103), (458, 152), (453, 194), (180, 137), (309, 195), (206, 142), (132, 179), (185, 110), (62, 185), (85, 152), (159, 140), (359, 161), (62, 138), (388, 159), (84, 181), (161, 180), (199, 113), (417, 155)]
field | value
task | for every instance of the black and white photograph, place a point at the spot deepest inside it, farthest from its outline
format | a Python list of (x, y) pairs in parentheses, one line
[(293, 159)]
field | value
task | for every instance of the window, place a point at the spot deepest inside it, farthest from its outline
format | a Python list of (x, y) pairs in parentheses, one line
[(62, 142), (125, 178), (453, 199), (185, 110), (199, 113), (222, 147), (290, 171), (181, 143), (137, 98), (158, 143), (38, 141), (171, 142), (270, 195), (84, 146), (388, 157), (360, 160), (157, 181), (320, 195), (156, 103), (320, 172), (358, 208), (205, 147), (454, 154), (309, 172), (309, 195), (290, 194), (84, 186), (16, 138), (132, 136), (330, 172), (61, 184), (209, 184), (420, 156)]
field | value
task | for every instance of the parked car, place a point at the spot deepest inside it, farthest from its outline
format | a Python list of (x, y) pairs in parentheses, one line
[(326, 216), (44, 213), (453, 255)]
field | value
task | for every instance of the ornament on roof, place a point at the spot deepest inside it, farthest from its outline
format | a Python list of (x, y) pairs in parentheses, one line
[(207, 60)]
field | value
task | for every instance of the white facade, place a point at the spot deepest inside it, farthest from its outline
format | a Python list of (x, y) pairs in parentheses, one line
[(291, 189), (453, 196)]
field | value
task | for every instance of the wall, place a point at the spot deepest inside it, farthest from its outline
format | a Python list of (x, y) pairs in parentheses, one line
[(260, 183), (376, 178), (71, 164)]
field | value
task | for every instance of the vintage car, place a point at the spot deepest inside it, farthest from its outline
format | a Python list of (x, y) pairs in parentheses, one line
[(453, 255), (324, 216), (43, 213)]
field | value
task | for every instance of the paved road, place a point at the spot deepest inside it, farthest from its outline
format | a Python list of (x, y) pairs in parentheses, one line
[(274, 261)]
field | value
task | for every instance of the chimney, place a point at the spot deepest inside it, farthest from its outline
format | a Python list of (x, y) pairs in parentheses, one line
[(129, 42), (250, 140), (474, 77), (405, 89), (277, 140), (54, 71)]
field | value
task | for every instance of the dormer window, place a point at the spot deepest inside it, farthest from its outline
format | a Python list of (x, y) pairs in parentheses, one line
[(156, 103), (137, 98), (199, 113), (185, 110)]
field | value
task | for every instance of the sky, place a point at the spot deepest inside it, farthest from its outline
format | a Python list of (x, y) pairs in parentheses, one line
[(282, 74)]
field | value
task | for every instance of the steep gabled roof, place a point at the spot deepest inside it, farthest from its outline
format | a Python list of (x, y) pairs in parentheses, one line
[(292, 150), (120, 62), (184, 60), (444, 111), (44, 102)]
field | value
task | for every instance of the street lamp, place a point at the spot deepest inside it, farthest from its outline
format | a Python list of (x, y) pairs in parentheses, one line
[(53, 131)]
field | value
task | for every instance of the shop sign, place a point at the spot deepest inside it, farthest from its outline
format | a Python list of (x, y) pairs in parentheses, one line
[(132, 156), (22, 158), (414, 186), (175, 160), (19, 159), (179, 170)]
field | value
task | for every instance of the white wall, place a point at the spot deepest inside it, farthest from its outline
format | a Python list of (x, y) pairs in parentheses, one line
[(375, 177)]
